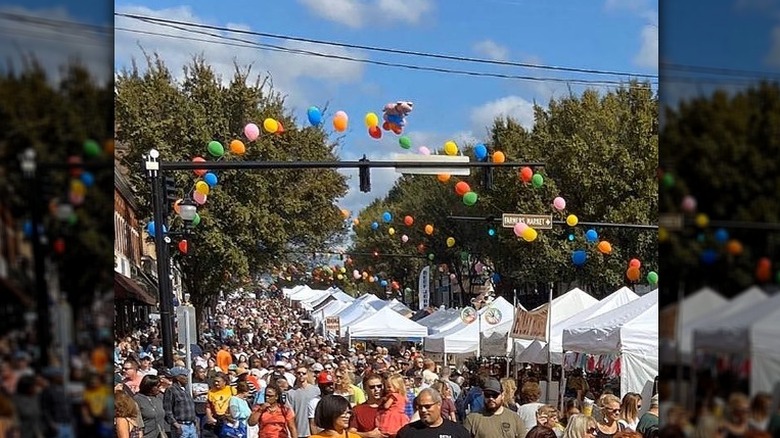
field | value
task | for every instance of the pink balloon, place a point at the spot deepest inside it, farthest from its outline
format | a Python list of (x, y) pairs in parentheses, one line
[(519, 228), (452, 276), (559, 203), (479, 267), (689, 204), (356, 274), (200, 198), (404, 238), (424, 150), (251, 131)]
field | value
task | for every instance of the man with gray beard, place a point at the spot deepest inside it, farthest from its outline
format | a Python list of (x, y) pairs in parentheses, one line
[(431, 424)]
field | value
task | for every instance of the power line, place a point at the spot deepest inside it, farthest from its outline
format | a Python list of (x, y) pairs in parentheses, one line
[(756, 74), (156, 20), (274, 48), (55, 24)]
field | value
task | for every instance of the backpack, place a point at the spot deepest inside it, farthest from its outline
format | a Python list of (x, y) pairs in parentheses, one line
[(651, 432)]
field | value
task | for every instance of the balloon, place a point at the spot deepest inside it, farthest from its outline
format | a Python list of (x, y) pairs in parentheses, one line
[(734, 247), (216, 149), (529, 234), (374, 225), (183, 246), (196, 219), (108, 146), (470, 199), (237, 147), (356, 221), (450, 242), (405, 142), (408, 221), (340, 124), (251, 132), (579, 257), (721, 235), (199, 198), (177, 206), (652, 277), (480, 152), (199, 172), (341, 115), (604, 247), (424, 150), (391, 231), (202, 188), (571, 220), (702, 220), (372, 120), (537, 180), (340, 277), (387, 217), (519, 228), (635, 263), (150, 228), (344, 213), (75, 171), (633, 273), (663, 234), (270, 125), (450, 148), (559, 203), (688, 204), (59, 245), (421, 248), (591, 235), (78, 187), (429, 229), (87, 179), (210, 178), (404, 238), (384, 283), (375, 132), (356, 274), (462, 187), (668, 180), (443, 177), (526, 173), (431, 256), (499, 157), (491, 231), (75, 198), (314, 115), (708, 256), (280, 129), (91, 148)]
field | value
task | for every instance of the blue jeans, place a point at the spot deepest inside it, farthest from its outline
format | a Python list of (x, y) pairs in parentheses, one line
[(188, 431), (65, 430)]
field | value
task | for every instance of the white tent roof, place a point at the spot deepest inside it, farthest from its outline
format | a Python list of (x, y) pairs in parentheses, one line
[(286, 292), (315, 299), (330, 309), (361, 308), (305, 293), (569, 303), (342, 296), (441, 320), (530, 352), (701, 302), (463, 338), (630, 330), (387, 323), (616, 299), (401, 308)]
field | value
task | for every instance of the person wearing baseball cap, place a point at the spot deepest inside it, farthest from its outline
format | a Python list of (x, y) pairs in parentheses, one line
[(326, 383), (179, 405), (494, 420)]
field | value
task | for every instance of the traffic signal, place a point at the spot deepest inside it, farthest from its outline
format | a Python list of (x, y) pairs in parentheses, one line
[(365, 176), (169, 185), (487, 176)]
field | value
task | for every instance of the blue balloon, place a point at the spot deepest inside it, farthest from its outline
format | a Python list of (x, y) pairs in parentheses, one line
[(150, 228), (384, 283), (315, 115), (721, 235), (495, 277), (374, 225), (491, 231), (708, 256), (480, 151), (87, 178), (591, 236), (210, 178), (387, 217), (579, 257)]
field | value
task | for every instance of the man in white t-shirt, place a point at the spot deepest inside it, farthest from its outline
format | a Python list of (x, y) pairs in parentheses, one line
[(530, 394), (327, 386)]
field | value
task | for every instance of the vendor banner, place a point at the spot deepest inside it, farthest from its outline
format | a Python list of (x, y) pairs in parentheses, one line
[(333, 324), (530, 325), (424, 287)]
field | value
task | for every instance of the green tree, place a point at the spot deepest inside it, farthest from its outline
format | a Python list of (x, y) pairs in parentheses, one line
[(252, 220)]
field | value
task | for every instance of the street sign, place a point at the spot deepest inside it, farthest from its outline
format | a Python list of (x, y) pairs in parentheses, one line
[(671, 221), (535, 221), (438, 159)]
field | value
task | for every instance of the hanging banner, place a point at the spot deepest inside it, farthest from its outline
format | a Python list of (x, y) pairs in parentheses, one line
[(333, 324), (530, 325), (424, 287)]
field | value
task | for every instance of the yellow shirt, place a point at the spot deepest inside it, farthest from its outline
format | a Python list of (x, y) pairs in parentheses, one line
[(220, 399), (96, 399)]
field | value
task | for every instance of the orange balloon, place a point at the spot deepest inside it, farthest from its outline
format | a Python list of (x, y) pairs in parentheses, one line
[(280, 129), (734, 247), (340, 124), (408, 221), (499, 157), (108, 146), (443, 177), (177, 206), (605, 247), (237, 147), (462, 187), (429, 229), (633, 273), (344, 213)]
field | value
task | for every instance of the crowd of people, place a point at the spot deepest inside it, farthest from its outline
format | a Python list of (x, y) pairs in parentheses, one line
[(260, 371)]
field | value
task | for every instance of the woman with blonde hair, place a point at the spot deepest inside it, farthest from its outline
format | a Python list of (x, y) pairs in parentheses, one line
[(509, 387), (629, 410), (447, 404), (126, 415), (607, 422), (580, 426)]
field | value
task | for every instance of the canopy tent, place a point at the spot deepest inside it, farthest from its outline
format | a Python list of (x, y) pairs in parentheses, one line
[(341, 296), (630, 330), (316, 299), (754, 329), (529, 353), (334, 293), (387, 323), (463, 338), (287, 292), (306, 294), (401, 308), (441, 320), (616, 299), (356, 311), (330, 309), (569, 303)]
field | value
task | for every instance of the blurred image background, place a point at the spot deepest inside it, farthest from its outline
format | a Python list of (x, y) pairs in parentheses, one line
[(56, 221), (719, 228)]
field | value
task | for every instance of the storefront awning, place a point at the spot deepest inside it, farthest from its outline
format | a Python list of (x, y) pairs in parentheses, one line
[(127, 289)]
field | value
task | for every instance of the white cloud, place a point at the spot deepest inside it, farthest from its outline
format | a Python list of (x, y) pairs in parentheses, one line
[(492, 50), (358, 13), (772, 58), (510, 106), (52, 47), (648, 50)]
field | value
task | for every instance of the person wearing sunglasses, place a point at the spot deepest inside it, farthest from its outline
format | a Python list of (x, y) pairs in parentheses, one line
[(607, 423), (299, 398), (431, 423), (494, 421), (332, 417), (580, 426), (364, 416)]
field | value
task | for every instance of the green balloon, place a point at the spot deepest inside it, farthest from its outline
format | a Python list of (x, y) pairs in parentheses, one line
[(652, 277), (405, 142), (91, 148), (537, 180), (196, 220), (431, 256), (73, 218), (668, 180), (470, 198), (408, 290), (216, 149)]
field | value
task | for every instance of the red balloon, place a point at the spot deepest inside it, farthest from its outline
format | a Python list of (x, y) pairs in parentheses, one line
[(59, 245), (183, 246), (386, 126), (408, 221), (375, 132), (421, 248), (462, 187), (526, 174), (280, 129), (635, 263)]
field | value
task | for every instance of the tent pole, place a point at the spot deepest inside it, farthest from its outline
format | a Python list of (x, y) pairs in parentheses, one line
[(549, 354)]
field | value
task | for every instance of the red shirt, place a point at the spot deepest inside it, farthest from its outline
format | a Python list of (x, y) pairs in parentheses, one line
[(364, 417)]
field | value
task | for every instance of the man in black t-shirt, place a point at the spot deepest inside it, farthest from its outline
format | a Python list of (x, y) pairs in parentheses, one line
[(431, 424)]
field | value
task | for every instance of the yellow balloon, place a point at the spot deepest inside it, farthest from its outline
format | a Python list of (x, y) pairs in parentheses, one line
[(429, 229), (663, 234), (372, 120), (202, 188), (391, 231), (450, 148), (571, 220), (343, 270), (702, 220), (340, 277), (271, 125), (78, 187), (529, 234), (450, 242), (443, 177)]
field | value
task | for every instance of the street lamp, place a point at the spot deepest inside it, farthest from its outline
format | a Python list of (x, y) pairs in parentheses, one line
[(187, 211)]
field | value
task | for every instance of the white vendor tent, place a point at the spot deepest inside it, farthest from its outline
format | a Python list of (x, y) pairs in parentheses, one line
[(359, 309), (463, 338), (569, 303), (341, 296), (630, 330), (616, 299), (313, 301), (286, 292), (330, 309), (386, 323), (441, 320), (755, 330), (401, 308)]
